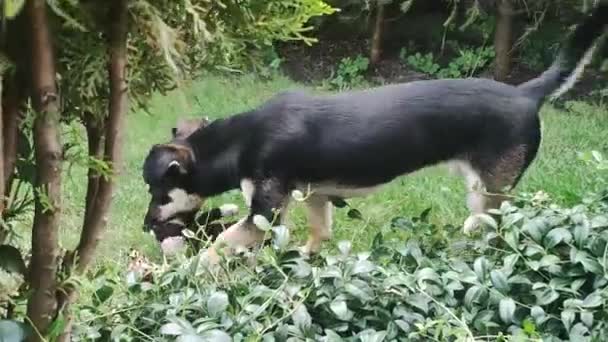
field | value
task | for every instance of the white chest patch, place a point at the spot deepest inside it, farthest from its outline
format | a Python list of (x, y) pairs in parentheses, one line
[(180, 202)]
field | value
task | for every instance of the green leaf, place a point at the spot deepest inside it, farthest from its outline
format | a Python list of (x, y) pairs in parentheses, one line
[(262, 223), (551, 263), (11, 260), (340, 309), (535, 227), (593, 300), (298, 195), (215, 335), (12, 8), (481, 266), (473, 295), (301, 318), (500, 282), (589, 263), (506, 310), (556, 236), (13, 331), (280, 237), (427, 274), (419, 301), (587, 318), (547, 296), (579, 332), (188, 234), (372, 336), (538, 314), (512, 239), (363, 267), (338, 202), (529, 327), (488, 220), (217, 303), (549, 260), (359, 290), (568, 318), (57, 326), (344, 247), (581, 234), (172, 329), (189, 337), (102, 294), (354, 214), (425, 214)]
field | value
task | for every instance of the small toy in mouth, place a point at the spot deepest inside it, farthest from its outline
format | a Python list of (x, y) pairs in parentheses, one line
[(206, 227)]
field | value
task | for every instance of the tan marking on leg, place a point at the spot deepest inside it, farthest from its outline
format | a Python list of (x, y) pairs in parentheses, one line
[(320, 220), (247, 189)]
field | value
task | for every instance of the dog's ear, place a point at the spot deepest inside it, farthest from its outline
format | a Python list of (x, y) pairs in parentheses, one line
[(180, 161), (185, 127), (175, 169)]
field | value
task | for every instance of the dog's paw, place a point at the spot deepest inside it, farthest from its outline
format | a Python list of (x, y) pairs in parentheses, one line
[(477, 221), (310, 248), (471, 224), (229, 209)]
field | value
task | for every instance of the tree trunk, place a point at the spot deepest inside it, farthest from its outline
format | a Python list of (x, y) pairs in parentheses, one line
[(94, 128), (2, 194), (42, 303), (96, 220), (99, 193), (503, 39), (12, 100), (376, 51)]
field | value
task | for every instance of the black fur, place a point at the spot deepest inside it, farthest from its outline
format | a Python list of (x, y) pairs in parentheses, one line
[(369, 137)]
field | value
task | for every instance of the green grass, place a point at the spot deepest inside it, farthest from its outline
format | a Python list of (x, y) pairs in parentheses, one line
[(556, 170)]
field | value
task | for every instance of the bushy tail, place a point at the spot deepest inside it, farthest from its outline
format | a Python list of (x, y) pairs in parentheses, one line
[(574, 55)]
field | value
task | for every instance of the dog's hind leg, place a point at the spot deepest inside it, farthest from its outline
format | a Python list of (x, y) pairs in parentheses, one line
[(497, 175), (320, 220), (475, 187)]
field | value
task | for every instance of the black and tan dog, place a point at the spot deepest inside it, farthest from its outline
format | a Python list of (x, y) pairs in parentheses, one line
[(350, 143)]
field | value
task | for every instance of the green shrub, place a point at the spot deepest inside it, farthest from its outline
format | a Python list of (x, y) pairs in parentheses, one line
[(423, 63), (537, 272), (469, 62), (350, 73)]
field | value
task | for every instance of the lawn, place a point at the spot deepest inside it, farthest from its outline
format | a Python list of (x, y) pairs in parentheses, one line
[(556, 170)]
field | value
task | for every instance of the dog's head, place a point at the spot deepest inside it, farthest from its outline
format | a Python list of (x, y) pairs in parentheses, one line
[(168, 172)]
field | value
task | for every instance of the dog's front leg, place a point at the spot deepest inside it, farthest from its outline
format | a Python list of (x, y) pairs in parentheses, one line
[(269, 197), (320, 217)]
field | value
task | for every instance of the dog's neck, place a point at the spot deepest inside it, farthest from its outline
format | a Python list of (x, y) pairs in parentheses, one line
[(216, 150)]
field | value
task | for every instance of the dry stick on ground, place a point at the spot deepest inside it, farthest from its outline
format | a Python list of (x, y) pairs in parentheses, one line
[(42, 303), (100, 188)]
